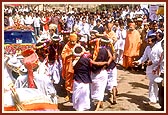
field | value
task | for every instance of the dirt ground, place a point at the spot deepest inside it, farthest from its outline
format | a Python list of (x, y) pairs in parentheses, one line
[(132, 91)]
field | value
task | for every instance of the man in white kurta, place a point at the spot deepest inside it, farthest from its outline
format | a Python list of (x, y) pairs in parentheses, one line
[(120, 43), (150, 54)]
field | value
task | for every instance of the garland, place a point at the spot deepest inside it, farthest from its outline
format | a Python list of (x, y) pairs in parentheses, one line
[(16, 48), (78, 54)]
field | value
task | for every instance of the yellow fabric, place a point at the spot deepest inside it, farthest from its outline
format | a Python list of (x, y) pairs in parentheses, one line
[(160, 10), (96, 49), (127, 61), (132, 47), (67, 69), (111, 35), (73, 37)]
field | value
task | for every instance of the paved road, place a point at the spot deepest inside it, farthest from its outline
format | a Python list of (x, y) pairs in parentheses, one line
[(132, 91)]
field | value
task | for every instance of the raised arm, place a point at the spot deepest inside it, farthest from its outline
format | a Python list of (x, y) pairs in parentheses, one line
[(98, 63)]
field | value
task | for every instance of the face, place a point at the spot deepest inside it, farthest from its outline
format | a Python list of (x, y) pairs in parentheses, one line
[(73, 42), (92, 21), (150, 43), (98, 23), (131, 28), (110, 25), (51, 31), (92, 36), (155, 27), (146, 27), (157, 36), (121, 27), (84, 20), (139, 22)]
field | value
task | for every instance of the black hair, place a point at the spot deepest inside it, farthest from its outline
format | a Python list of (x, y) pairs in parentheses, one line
[(162, 42), (154, 39), (98, 20), (161, 35), (78, 49)]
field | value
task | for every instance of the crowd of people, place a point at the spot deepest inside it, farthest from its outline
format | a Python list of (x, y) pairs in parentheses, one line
[(83, 49)]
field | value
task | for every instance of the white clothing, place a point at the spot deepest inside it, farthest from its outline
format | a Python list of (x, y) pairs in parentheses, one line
[(120, 43), (92, 26), (112, 79), (8, 78), (84, 29), (26, 9), (28, 20), (124, 13), (99, 82), (22, 20), (11, 21), (36, 21), (157, 50), (144, 58), (41, 80), (150, 53), (53, 72), (162, 65), (27, 96), (43, 83), (81, 96), (153, 88), (70, 23), (9, 10)]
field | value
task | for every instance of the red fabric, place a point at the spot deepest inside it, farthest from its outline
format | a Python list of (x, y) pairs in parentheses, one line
[(30, 62), (46, 23), (34, 107), (30, 75), (27, 52)]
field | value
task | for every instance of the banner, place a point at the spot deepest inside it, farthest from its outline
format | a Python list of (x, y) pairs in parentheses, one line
[(152, 12)]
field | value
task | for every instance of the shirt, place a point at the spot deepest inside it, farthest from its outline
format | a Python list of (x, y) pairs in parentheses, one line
[(36, 21), (82, 70)]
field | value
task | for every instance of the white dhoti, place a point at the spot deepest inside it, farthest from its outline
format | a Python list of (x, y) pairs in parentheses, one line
[(54, 72), (112, 79), (81, 96), (99, 82), (153, 88)]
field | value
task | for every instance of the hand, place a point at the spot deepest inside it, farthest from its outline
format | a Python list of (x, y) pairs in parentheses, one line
[(108, 63), (149, 62), (135, 63), (154, 72)]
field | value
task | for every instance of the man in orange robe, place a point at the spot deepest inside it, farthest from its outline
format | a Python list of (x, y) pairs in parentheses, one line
[(109, 33), (67, 69), (132, 46)]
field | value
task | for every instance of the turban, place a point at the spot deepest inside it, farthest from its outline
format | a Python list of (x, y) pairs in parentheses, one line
[(73, 37), (52, 26), (31, 62)]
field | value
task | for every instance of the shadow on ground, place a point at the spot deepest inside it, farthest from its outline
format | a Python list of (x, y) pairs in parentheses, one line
[(138, 100), (136, 70), (136, 84)]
